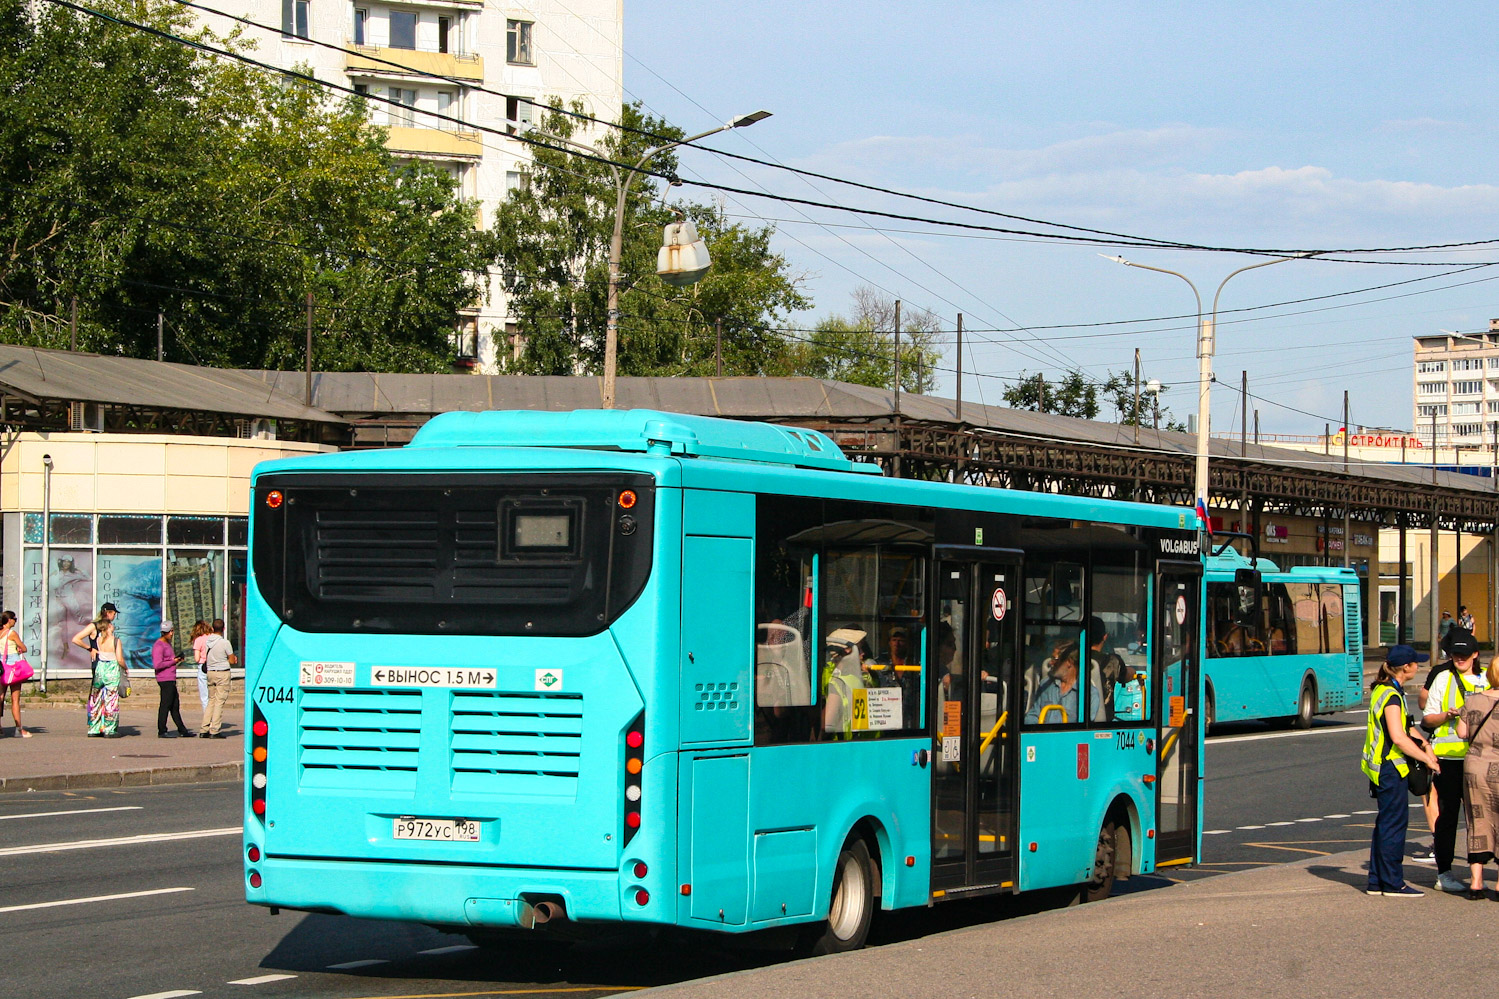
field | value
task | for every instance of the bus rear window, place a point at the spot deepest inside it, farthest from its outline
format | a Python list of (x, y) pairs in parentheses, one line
[(487, 554)]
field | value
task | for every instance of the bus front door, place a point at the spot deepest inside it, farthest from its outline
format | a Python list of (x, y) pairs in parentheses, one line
[(1176, 665), (974, 797)]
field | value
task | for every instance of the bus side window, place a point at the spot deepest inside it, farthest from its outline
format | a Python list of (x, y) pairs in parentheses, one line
[(1118, 668), (783, 636), (1280, 621), (1332, 617)]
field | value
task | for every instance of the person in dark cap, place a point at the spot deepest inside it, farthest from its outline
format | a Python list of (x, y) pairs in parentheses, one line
[(1390, 742), (164, 662), (1444, 705)]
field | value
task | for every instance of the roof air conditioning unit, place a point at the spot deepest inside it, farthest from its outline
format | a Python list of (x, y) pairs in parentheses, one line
[(263, 429), (85, 417)]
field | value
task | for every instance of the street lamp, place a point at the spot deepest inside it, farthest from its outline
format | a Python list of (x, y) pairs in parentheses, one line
[(623, 181), (1205, 347)]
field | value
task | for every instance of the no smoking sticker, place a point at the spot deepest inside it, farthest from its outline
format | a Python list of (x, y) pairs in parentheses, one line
[(999, 604), (1181, 610)]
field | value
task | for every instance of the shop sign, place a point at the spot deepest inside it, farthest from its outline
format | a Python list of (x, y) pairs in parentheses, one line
[(1278, 533)]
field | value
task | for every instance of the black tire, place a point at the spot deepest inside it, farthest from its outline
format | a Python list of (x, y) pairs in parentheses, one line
[(1306, 706), (851, 908), (1209, 712), (1105, 856)]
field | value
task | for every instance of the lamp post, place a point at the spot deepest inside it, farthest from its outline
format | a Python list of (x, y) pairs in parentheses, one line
[(1205, 348), (623, 181)]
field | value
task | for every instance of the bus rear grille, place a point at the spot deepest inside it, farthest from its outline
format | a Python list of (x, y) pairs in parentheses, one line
[(517, 743), (364, 739), (377, 554)]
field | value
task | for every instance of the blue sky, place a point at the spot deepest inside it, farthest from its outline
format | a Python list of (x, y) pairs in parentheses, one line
[(1273, 124)]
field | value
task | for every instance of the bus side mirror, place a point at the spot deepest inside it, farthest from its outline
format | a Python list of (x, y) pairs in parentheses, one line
[(1248, 583), (1247, 578)]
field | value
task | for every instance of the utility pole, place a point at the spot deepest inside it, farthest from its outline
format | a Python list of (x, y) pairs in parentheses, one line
[(1244, 448), (1256, 428), (1347, 510), (718, 348), (309, 350), (960, 391), (1136, 411), (897, 355), (160, 339)]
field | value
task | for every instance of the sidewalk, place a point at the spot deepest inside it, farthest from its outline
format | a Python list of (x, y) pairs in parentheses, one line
[(1297, 930), (61, 756)]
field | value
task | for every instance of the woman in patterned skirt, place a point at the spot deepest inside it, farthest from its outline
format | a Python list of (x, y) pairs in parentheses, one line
[(1479, 725), (109, 673)]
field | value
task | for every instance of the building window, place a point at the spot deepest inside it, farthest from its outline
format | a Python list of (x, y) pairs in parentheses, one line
[(1429, 411), (403, 29), (518, 43), (400, 113), (1432, 388), (444, 26), (1467, 363), (519, 114), (361, 19), (294, 18), (1434, 367), (1467, 429), (514, 181), (446, 105), (1466, 408), (1467, 388)]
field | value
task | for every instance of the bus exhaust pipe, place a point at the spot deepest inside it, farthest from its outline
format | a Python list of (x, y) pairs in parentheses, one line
[(547, 911)]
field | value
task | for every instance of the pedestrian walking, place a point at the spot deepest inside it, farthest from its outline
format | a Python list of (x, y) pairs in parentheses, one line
[(1390, 742), (218, 656), (1480, 728), (1465, 620), (1449, 691), (109, 675), (200, 634), (164, 662), (1444, 627), (14, 669)]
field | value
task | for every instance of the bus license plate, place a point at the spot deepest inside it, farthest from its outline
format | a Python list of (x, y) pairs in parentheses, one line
[(437, 830)]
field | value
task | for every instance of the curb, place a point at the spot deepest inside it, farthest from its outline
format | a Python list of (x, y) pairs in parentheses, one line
[(202, 773)]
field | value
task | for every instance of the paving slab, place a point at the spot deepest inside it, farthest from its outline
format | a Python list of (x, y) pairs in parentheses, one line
[(61, 756), (1294, 930)]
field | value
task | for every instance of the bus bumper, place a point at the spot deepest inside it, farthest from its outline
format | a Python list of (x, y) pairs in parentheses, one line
[(449, 896)]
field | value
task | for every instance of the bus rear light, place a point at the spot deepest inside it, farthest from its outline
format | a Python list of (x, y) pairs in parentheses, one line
[(253, 853), (273, 499), (255, 881), (261, 728), (259, 753), (258, 806), (627, 499), (686, 889), (642, 897), (641, 870), (634, 764), (258, 781)]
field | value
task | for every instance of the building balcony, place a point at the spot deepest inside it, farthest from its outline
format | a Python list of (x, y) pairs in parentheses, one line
[(369, 60), (434, 142)]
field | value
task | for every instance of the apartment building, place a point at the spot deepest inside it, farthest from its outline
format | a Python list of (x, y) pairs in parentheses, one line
[(452, 74), (1456, 388)]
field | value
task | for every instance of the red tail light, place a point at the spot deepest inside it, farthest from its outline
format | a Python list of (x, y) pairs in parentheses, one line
[(634, 764), (642, 897), (253, 853), (255, 880)]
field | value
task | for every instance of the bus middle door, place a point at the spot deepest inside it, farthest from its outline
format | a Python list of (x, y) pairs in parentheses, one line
[(974, 799)]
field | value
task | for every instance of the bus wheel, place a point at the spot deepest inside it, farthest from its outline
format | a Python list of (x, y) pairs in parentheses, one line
[(1105, 856), (1306, 706), (852, 907)]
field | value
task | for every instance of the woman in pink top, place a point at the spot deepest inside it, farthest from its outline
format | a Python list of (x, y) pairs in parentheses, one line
[(201, 631)]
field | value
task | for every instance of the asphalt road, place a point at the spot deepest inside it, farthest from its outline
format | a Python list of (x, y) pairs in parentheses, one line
[(137, 892)]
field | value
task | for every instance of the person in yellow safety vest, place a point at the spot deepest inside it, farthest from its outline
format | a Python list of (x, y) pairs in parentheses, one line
[(841, 676), (1449, 691), (1389, 743)]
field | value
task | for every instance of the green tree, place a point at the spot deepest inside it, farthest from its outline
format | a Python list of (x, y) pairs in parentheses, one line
[(554, 236), (146, 178), (1119, 388), (860, 348), (1072, 395)]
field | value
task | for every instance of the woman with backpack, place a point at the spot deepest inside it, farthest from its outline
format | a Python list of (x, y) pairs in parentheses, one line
[(1390, 742)]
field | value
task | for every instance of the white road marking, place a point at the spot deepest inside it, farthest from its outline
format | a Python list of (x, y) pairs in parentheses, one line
[(76, 811), (1314, 819), (456, 948), (1336, 815), (89, 844), (174, 994), (93, 898), (349, 965), (1367, 811), (1249, 827), (1215, 832), (1340, 730), (261, 980), (1280, 823)]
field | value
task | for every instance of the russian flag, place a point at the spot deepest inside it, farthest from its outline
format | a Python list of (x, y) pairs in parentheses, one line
[(1202, 515)]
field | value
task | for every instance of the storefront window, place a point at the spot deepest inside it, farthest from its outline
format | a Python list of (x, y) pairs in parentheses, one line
[(31, 530), (131, 580), (193, 592), (195, 531), (71, 529), (126, 530)]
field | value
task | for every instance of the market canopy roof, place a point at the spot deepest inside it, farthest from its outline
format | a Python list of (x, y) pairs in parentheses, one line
[(47, 379)]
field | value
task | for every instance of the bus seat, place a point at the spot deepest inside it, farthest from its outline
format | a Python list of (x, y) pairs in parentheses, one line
[(781, 666)]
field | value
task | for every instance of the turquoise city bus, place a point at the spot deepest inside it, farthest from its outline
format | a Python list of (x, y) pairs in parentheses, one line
[(1286, 649), (541, 672)]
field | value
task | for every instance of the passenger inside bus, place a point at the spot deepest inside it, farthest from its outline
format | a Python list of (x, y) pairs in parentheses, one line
[(901, 669), (842, 675), (1056, 701)]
